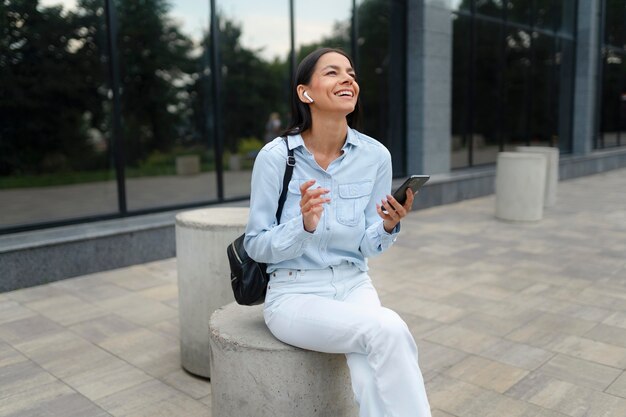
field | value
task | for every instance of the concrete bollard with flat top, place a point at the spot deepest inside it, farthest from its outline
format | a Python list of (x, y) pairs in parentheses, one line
[(203, 276), (255, 375), (520, 186), (552, 170)]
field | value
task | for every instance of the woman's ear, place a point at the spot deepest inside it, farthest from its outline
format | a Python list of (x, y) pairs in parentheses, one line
[(302, 95)]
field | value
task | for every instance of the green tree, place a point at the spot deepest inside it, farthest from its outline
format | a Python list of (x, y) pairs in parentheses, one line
[(156, 68)]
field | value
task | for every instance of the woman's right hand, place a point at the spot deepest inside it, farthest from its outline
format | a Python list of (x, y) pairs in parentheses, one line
[(311, 204)]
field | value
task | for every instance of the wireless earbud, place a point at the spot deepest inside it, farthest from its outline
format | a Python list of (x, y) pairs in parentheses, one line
[(308, 96)]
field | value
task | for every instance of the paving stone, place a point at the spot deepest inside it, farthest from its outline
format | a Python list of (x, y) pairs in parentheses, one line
[(436, 311), (134, 278), (11, 310), (161, 293), (22, 376), (617, 319), (487, 323), (454, 396), (618, 387), (486, 373), (191, 385), (66, 309), (438, 358), (169, 328), (580, 372), (155, 354), (64, 354), (101, 328), (567, 398), (151, 399), (10, 356), (20, 331), (517, 354), (593, 351), (439, 413), (139, 310), (105, 378), (27, 401), (462, 339), (608, 334)]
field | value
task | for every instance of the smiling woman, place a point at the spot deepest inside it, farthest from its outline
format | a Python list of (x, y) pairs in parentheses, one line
[(338, 212)]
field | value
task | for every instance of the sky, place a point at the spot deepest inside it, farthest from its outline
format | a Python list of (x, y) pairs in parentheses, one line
[(265, 23)]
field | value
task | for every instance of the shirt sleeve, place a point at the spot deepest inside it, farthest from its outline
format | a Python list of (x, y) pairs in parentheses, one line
[(267, 241), (376, 239)]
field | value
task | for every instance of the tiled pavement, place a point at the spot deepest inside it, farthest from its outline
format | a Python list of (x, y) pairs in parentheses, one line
[(511, 319)]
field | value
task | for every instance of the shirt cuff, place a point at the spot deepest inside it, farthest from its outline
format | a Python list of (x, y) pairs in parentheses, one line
[(388, 237), (297, 230)]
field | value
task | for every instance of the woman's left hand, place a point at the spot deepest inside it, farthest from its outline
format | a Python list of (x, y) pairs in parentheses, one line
[(394, 210)]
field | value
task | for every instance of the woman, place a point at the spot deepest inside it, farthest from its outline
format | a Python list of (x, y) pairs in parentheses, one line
[(320, 296)]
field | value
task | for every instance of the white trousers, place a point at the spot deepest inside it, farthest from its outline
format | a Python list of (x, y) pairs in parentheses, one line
[(337, 310)]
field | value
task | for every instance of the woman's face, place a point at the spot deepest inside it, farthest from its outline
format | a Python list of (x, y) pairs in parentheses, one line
[(333, 85)]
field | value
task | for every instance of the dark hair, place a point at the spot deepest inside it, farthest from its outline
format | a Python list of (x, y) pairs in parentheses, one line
[(300, 112)]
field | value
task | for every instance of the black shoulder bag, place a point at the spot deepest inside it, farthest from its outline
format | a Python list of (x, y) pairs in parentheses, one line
[(248, 277)]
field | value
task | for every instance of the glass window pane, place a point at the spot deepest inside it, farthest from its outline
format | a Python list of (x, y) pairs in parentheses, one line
[(493, 8), (519, 11), (55, 148), (254, 55), (613, 99), (517, 71), (486, 91), (544, 102), (461, 74), (461, 5), (322, 23), (544, 14), (381, 74), (565, 16), (615, 23), (162, 54), (564, 90)]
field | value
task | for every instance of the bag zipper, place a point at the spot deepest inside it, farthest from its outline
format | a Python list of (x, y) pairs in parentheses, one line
[(235, 252)]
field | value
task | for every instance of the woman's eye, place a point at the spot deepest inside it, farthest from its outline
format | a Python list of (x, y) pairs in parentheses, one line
[(331, 73)]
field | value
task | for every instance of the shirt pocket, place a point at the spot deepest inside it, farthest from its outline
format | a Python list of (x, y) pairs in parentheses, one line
[(353, 197)]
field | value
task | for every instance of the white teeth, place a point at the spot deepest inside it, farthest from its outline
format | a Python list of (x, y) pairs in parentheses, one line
[(344, 93)]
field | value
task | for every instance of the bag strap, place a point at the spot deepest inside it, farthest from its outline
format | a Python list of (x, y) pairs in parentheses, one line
[(291, 162)]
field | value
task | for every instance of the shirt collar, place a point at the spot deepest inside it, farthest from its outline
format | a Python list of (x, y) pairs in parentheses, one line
[(296, 141)]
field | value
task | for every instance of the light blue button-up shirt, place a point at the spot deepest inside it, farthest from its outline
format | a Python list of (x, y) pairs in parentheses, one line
[(349, 230)]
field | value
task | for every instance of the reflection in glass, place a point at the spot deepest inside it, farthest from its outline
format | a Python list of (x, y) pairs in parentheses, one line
[(254, 55), (519, 11), (493, 8), (162, 55), (544, 101), (517, 77), (487, 109), (461, 74), (613, 105), (615, 23), (322, 23), (381, 71), (55, 153)]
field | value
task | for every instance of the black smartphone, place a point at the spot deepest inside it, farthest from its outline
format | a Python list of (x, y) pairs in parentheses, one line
[(414, 182)]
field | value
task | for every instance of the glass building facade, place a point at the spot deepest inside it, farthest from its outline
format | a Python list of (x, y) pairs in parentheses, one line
[(513, 77), (114, 108), (612, 95)]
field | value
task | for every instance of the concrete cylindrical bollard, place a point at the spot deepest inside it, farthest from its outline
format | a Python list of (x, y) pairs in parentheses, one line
[(552, 170), (520, 186), (255, 375), (203, 276)]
